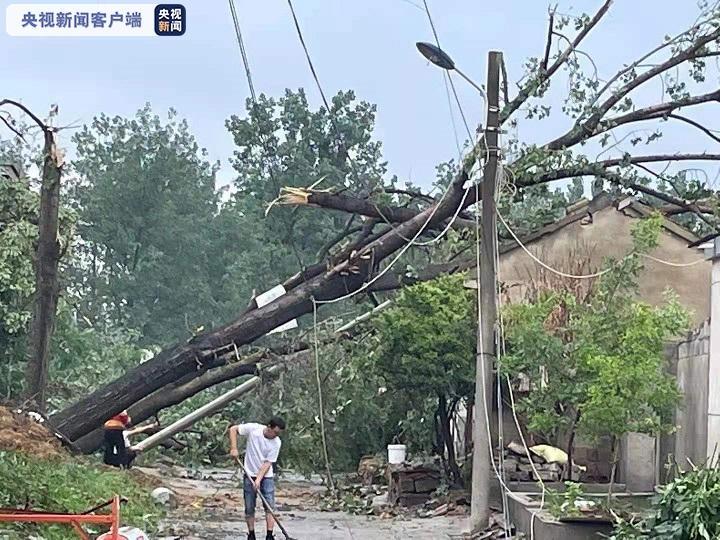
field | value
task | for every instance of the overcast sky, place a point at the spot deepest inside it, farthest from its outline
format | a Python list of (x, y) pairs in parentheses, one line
[(364, 45)]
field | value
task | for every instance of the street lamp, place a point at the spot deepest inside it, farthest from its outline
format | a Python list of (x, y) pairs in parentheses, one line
[(442, 60)]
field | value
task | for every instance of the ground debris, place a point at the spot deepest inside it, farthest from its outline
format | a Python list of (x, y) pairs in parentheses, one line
[(20, 432), (496, 530), (357, 499)]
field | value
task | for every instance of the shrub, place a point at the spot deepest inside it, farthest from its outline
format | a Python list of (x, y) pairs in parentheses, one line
[(68, 486)]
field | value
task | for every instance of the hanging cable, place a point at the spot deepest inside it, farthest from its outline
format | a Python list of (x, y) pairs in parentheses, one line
[(452, 115), (243, 52), (541, 263), (595, 274), (674, 264), (307, 56), (499, 179), (321, 415), (445, 72), (501, 352), (462, 112)]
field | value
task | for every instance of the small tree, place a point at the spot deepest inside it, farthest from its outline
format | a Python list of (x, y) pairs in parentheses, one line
[(601, 357), (426, 352)]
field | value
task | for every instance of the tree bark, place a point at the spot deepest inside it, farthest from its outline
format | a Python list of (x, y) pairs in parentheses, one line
[(46, 276), (447, 439), (470, 406), (192, 384), (364, 207), (183, 359), (570, 445), (175, 394)]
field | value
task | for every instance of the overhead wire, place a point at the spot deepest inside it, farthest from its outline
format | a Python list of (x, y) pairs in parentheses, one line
[(447, 73), (422, 228), (499, 472), (243, 52), (321, 406), (308, 58), (594, 274), (452, 115), (462, 113), (502, 350)]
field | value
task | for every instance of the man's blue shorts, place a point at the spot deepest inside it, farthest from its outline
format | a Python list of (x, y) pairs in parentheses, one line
[(267, 488)]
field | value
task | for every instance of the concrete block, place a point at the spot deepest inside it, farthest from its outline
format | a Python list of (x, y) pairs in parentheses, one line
[(639, 462), (413, 499), (426, 485), (405, 484), (546, 476)]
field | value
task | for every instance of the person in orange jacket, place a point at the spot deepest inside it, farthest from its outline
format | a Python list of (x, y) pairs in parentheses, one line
[(117, 444)]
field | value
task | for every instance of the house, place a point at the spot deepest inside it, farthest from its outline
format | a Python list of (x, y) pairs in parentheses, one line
[(592, 231), (578, 244)]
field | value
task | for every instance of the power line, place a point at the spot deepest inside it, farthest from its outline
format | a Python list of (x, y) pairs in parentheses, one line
[(243, 52), (452, 116), (309, 60), (449, 76), (331, 115), (460, 108), (595, 274)]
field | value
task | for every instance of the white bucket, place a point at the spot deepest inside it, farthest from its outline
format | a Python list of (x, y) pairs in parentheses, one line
[(396, 453)]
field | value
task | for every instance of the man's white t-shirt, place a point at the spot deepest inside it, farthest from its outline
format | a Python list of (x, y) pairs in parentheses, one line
[(259, 448)]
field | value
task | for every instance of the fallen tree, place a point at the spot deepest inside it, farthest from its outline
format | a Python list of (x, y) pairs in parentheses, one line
[(354, 267)]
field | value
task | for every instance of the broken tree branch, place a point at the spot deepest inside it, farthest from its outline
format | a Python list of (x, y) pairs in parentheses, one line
[(532, 85), (655, 112), (363, 207), (582, 129), (548, 42), (348, 275), (698, 125)]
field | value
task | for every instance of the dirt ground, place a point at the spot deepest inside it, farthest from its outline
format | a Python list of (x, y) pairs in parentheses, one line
[(20, 432), (210, 507)]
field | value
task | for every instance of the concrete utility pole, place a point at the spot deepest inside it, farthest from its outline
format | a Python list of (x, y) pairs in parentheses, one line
[(712, 252), (487, 278)]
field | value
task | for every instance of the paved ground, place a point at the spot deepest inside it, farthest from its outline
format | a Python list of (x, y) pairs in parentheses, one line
[(210, 508), (323, 525)]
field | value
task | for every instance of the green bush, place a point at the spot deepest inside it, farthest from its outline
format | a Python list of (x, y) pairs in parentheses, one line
[(68, 486), (686, 509)]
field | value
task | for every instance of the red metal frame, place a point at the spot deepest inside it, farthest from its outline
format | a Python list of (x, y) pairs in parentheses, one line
[(75, 520)]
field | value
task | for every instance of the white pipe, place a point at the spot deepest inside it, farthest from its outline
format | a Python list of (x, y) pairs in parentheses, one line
[(198, 414), (223, 400)]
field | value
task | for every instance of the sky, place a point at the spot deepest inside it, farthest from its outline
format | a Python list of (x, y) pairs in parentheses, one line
[(367, 46)]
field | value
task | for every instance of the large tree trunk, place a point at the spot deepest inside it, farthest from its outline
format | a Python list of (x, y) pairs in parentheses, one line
[(46, 277), (177, 362), (177, 393)]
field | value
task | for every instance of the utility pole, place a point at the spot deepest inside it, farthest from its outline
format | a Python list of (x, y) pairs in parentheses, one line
[(487, 279)]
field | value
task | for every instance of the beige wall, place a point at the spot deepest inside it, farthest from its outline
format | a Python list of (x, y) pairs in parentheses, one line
[(609, 235)]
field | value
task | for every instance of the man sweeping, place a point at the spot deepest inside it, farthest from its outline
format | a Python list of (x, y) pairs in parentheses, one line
[(261, 452)]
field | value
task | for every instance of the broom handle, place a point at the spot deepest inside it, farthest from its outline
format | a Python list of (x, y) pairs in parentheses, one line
[(264, 501)]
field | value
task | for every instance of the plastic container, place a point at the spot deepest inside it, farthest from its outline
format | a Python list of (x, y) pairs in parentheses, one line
[(127, 533), (396, 453)]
